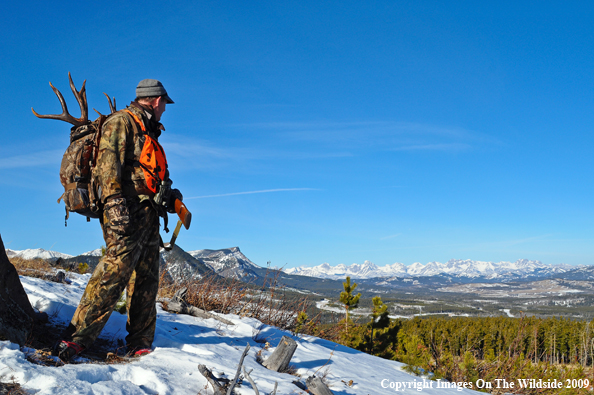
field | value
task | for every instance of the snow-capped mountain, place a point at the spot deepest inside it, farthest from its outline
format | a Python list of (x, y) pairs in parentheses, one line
[(366, 270), (453, 267), (96, 252), (182, 266), (228, 262), (37, 253)]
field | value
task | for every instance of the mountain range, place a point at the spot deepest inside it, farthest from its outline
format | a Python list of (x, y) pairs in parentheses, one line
[(454, 267), (232, 263)]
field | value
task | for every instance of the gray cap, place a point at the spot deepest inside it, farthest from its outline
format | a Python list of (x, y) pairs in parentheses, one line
[(150, 88)]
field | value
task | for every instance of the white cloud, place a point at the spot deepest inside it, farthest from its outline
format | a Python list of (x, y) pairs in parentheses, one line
[(252, 192), (42, 158), (390, 237)]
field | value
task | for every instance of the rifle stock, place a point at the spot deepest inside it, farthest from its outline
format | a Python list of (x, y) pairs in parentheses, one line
[(184, 214)]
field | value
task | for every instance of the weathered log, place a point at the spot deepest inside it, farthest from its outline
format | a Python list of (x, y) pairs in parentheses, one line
[(16, 313), (316, 386), (184, 308), (217, 387), (180, 295), (280, 358)]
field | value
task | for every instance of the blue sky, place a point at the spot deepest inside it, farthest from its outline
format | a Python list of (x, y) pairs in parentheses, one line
[(309, 132)]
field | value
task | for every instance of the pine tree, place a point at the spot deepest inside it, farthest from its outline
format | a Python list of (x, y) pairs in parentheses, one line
[(379, 318), (349, 300)]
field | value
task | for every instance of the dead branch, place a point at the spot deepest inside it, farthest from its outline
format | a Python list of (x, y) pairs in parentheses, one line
[(247, 376), (230, 390)]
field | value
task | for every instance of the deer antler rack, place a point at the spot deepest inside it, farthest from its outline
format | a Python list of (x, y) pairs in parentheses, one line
[(112, 106), (81, 97)]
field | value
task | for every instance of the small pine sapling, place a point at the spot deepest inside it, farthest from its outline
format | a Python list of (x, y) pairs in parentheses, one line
[(83, 267), (349, 300), (379, 318), (302, 318)]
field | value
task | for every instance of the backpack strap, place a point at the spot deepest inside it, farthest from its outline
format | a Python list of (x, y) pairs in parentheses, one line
[(138, 120)]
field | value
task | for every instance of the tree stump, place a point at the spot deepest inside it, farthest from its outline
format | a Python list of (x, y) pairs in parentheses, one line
[(280, 358), (316, 386), (16, 313)]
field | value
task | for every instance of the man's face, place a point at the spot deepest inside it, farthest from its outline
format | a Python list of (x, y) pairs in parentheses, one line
[(159, 107)]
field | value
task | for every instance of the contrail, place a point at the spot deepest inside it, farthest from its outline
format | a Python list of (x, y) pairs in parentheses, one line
[(251, 192)]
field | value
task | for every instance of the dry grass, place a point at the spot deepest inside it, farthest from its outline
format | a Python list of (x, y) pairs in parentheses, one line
[(211, 293), (227, 296), (38, 268), (13, 388)]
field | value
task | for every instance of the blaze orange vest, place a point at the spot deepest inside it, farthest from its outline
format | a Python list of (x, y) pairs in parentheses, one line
[(152, 159)]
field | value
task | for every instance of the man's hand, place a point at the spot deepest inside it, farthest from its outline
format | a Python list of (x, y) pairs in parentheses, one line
[(117, 215), (174, 195)]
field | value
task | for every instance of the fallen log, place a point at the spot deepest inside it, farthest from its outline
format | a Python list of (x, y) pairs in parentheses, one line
[(179, 305), (280, 358)]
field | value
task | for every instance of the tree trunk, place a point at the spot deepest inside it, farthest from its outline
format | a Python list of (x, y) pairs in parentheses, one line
[(16, 313), (316, 386), (280, 358)]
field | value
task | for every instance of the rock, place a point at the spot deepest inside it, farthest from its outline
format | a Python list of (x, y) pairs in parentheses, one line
[(16, 313)]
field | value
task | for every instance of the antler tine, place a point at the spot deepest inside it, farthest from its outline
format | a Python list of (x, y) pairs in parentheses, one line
[(112, 107), (81, 97), (65, 116)]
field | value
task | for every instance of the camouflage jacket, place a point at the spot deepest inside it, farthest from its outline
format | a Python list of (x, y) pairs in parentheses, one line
[(118, 170)]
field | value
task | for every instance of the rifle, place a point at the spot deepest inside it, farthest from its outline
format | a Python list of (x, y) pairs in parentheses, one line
[(185, 218)]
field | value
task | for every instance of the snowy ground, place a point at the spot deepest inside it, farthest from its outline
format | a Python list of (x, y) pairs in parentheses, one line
[(183, 342)]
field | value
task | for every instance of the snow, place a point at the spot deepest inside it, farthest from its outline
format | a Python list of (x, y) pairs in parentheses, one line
[(183, 342)]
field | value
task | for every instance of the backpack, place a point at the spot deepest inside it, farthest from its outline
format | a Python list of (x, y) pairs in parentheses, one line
[(81, 194)]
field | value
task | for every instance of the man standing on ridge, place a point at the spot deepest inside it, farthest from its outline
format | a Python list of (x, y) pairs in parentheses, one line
[(135, 189)]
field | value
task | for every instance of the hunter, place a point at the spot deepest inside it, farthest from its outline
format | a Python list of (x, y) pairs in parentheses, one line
[(135, 189)]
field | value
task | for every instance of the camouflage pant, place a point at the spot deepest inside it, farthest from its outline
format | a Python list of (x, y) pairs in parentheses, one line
[(130, 261)]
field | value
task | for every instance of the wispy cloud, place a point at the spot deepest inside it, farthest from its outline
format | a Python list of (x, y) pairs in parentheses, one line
[(376, 135), (252, 192), (250, 146), (434, 147), (42, 158), (390, 237)]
